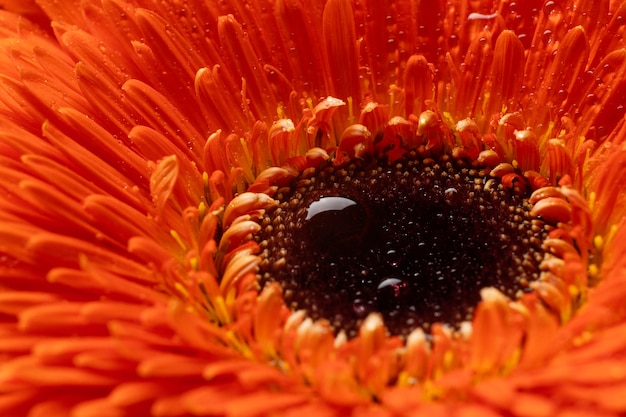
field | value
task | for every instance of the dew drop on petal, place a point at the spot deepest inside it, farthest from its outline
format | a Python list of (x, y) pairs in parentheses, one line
[(551, 8), (481, 16), (547, 36)]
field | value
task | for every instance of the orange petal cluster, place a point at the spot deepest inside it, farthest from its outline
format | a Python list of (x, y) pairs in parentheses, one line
[(141, 142)]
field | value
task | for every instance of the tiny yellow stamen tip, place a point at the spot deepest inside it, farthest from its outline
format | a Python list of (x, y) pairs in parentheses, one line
[(592, 199), (512, 362), (178, 239), (448, 119), (221, 310), (574, 291), (202, 209), (486, 96), (350, 110), (404, 380), (515, 164), (430, 391), (205, 179), (309, 102), (194, 263), (611, 234), (598, 242), (239, 346), (548, 133), (181, 289), (230, 298), (583, 338), (247, 159)]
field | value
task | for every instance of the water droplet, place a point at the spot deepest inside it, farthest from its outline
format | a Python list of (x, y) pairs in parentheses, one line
[(525, 39), (453, 41), (450, 194), (591, 99), (395, 283), (481, 16), (547, 36), (359, 307), (335, 223), (390, 293), (328, 204), (393, 257), (551, 7)]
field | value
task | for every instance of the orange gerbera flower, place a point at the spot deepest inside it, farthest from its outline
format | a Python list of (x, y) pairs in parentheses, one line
[(216, 208)]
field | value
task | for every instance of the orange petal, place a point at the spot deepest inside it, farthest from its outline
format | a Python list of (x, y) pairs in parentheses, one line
[(341, 53), (553, 210)]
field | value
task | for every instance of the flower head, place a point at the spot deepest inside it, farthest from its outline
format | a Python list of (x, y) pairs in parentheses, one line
[(150, 151)]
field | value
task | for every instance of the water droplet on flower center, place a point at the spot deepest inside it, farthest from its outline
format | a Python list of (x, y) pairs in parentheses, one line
[(335, 223), (413, 240)]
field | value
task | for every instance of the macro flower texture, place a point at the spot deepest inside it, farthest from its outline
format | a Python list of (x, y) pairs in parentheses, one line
[(312, 208)]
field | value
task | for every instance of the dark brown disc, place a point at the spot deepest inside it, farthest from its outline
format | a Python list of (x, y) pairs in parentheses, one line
[(414, 240)]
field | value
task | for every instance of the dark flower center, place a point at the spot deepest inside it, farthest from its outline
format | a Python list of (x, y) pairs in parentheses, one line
[(415, 240)]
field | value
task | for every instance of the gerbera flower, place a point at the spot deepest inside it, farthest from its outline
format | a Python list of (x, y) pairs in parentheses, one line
[(323, 208)]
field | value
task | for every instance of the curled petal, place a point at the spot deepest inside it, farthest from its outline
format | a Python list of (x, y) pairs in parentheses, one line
[(269, 178), (279, 136), (241, 264), (513, 180), (488, 158), (560, 248), (245, 203), (162, 181), (356, 141), (319, 126), (553, 210), (536, 180), (397, 137), (374, 117), (235, 234), (468, 132), (434, 134), (502, 169), (545, 192)]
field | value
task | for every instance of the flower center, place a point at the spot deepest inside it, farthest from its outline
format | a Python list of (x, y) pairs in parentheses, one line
[(415, 240)]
